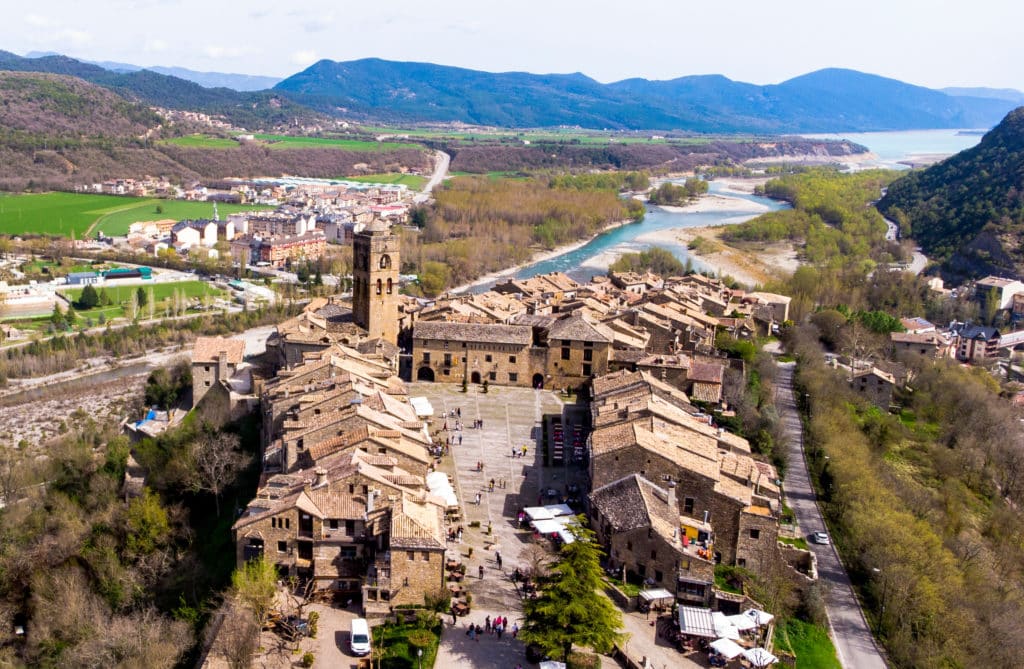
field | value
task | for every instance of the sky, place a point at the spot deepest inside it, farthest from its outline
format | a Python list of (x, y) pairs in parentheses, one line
[(932, 43)]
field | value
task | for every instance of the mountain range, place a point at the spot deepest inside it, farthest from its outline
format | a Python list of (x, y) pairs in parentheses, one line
[(371, 89), (830, 100)]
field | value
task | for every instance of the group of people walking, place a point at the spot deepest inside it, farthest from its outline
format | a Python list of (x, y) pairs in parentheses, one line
[(498, 626)]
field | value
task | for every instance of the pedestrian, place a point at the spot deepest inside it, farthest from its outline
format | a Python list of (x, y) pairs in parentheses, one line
[(478, 499), (481, 572), (513, 451), (497, 556), (460, 440), (446, 426), (490, 485), (458, 535), (515, 630), (498, 630), (472, 632), (453, 617), (524, 450), (479, 632), (458, 411), (487, 624)]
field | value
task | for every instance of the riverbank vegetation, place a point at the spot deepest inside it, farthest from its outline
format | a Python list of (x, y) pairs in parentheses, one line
[(677, 195), (479, 225), (655, 259)]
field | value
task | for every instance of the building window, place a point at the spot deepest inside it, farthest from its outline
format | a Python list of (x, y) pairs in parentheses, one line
[(565, 352), (492, 376), (299, 444), (410, 555), (641, 570), (333, 523), (487, 358), (586, 370), (755, 534), (366, 490), (425, 556), (207, 384), (629, 545), (389, 286), (512, 359), (512, 377), (447, 359), (688, 505), (741, 562), (588, 354), (282, 546), (206, 368), (379, 286), (426, 356), (288, 523), (447, 372), (658, 576), (654, 555), (351, 488)]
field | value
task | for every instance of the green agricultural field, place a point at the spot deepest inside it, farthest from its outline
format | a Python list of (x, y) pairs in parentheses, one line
[(203, 142), (413, 181), (289, 142), (61, 213), (163, 293)]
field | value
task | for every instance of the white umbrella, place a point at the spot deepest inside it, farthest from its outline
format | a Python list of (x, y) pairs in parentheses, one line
[(742, 623), (759, 617), (723, 627), (759, 657), (727, 648)]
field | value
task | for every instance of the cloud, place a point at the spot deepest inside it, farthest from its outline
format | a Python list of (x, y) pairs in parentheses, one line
[(38, 21), (304, 58), (214, 51), (154, 46), (319, 24), (74, 37)]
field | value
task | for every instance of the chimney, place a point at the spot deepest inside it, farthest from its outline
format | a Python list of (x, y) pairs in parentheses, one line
[(672, 496), (706, 517), (321, 477)]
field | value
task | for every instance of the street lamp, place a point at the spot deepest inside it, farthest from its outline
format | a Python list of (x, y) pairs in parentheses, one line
[(419, 655)]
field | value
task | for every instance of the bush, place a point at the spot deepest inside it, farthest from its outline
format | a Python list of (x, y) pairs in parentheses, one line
[(578, 660), (308, 659)]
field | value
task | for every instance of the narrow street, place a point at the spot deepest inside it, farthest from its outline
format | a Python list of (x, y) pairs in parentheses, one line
[(854, 642)]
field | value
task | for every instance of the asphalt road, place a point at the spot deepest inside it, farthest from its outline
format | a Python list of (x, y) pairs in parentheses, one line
[(853, 639), (440, 172)]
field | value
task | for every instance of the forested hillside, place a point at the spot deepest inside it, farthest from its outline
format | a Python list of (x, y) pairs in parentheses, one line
[(60, 131), (969, 209)]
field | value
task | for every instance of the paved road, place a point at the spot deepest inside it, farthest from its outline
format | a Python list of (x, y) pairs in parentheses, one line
[(919, 260), (440, 172), (853, 639)]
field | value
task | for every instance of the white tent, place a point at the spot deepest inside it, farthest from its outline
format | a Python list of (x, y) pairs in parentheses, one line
[(723, 627), (560, 510), (759, 617), (759, 657), (538, 513), (727, 648), (742, 622), (566, 536), (547, 526), (655, 594), (438, 484), (437, 480), (696, 621), (551, 664), (422, 406)]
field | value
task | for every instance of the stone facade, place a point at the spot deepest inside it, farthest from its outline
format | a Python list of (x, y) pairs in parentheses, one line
[(376, 262), (214, 360)]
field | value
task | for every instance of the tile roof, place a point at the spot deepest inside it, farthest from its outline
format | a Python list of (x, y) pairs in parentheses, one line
[(634, 502), (208, 349), (576, 327), (706, 372), (473, 332)]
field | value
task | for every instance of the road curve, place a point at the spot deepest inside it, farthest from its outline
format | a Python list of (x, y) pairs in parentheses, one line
[(854, 642), (440, 171)]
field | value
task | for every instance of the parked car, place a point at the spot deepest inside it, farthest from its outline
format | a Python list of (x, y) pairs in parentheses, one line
[(820, 538)]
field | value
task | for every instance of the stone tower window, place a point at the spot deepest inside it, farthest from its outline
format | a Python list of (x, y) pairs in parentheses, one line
[(385, 261), (379, 284), (389, 286)]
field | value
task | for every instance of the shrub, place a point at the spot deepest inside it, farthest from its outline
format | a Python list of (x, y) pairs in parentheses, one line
[(308, 659)]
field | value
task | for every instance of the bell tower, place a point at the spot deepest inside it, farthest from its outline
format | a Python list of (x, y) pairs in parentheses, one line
[(375, 281)]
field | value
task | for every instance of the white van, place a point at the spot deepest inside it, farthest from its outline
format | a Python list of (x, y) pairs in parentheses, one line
[(359, 637)]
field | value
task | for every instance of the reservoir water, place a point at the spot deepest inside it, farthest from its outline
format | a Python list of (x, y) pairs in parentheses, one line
[(595, 256)]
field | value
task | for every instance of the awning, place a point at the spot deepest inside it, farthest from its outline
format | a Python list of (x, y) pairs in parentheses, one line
[(655, 594), (538, 513), (696, 622), (759, 617), (727, 648), (723, 627), (560, 510), (742, 622), (547, 526), (422, 406), (566, 536), (759, 657), (551, 664)]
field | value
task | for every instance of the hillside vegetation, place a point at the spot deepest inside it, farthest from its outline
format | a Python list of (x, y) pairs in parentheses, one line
[(59, 131), (969, 209)]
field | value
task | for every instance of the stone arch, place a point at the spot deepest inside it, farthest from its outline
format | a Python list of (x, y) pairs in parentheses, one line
[(538, 380), (425, 374), (385, 261), (389, 285), (380, 285), (474, 377)]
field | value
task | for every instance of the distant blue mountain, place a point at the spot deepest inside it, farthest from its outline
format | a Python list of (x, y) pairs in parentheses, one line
[(236, 82), (827, 100)]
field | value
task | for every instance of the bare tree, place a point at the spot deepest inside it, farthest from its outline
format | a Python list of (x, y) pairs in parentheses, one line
[(237, 638), (216, 462)]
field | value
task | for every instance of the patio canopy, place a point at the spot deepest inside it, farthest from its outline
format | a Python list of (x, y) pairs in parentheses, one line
[(422, 406), (696, 622), (548, 526), (759, 657), (551, 664), (742, 622), (538, 513), (566, 536), (759, 617), (655, 594), (723, 627), (560, 510), (727, 648)]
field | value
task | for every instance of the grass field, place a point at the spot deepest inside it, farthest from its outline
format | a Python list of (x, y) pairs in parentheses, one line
[(288, 142), (203, 142), (811, 645), (413, 181), (162, 294), (61, 213)]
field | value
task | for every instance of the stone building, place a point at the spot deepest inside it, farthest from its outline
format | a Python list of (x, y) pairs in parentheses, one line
[(638, 525), (457, 352), (215, 360), (376, 263)]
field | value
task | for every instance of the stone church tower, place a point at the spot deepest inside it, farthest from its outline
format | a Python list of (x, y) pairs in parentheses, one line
[(375, 281)]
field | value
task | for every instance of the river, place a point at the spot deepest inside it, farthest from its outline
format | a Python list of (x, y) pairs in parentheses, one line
[(594, 257)]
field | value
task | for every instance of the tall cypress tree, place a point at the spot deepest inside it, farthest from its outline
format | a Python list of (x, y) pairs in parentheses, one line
[(571, 609)]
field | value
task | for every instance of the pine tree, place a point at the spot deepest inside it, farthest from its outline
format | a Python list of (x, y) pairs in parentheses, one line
[(571, 610), (89, 298)]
